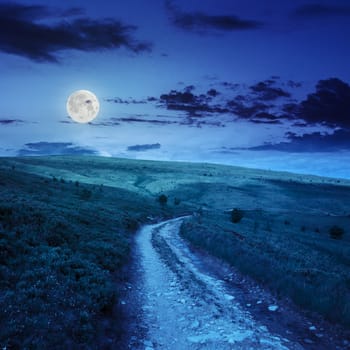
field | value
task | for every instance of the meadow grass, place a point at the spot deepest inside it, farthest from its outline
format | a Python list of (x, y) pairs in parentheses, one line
[(62, 247), (292, 254), (67, 224)]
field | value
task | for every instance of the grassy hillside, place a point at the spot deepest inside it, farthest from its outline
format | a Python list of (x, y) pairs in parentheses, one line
[(66, 224), (63, 243)]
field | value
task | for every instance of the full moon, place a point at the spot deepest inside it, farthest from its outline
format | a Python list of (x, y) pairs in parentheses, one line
[(83, 106)]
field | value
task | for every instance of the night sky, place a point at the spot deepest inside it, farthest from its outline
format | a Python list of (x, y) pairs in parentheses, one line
[(254, 83)]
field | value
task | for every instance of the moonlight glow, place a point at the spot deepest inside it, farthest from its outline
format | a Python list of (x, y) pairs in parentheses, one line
[(83, 106)]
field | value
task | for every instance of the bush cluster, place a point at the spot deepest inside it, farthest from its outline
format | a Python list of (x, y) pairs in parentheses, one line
[(163, 199), (236, 215), (336, 232)]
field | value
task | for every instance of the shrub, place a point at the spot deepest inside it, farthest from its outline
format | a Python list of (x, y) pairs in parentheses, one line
[(336, 232), (85, 194), (236, 215), (163, 199)]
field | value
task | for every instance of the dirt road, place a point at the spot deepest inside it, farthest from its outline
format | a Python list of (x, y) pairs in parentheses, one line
[(181, 301)]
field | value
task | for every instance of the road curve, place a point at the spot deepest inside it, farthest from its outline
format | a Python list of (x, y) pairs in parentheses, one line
[(177, 301), (186, 308)]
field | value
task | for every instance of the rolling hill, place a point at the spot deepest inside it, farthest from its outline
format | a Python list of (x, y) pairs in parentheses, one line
[(67, 225)]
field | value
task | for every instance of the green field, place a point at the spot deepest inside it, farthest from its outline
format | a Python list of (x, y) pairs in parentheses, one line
[(67, 224)]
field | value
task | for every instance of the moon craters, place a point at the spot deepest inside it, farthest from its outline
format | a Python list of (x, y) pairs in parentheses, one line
[(83, 106)]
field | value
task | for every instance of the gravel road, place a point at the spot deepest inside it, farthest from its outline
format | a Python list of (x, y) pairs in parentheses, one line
[(180, 302)]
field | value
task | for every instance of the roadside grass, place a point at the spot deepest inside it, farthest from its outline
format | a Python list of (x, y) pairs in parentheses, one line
[(308, 266)]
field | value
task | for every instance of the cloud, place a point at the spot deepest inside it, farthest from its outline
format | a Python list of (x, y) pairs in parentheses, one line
[(246, 110), (232, 86), (24, 33), (291, 108), (129, 101), (201, 22), (294, 84), (147, 147), (260, 103), (194, 105), (266, 118), (315, 142), (260, 121), (141, 120), (329, 104), (10, 121), (264, 102), (320, 10), (213, 92), (54, 148), (267, 92), (118, 121), (300, 124)]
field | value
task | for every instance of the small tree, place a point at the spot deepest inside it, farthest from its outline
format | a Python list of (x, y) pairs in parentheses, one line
[(236, 215), (336, 232), (163, 199)]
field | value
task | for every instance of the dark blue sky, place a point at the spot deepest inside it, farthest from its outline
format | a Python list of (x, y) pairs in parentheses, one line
[(216, 80)]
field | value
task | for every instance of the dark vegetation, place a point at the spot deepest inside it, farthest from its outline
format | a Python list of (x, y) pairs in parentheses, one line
[(67, 224), (62, 248), (236, 215), (163, 199), (336, 232)]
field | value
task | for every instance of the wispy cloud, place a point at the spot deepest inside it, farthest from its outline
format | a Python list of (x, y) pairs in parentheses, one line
[(54, 148), (142, 120), (318, 10), (314, 142), (24, 33), (146, 147), (116, 121), (128, 101), (245, 108), (192, 104), (266, 90), (202, 22), (11, 121)]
